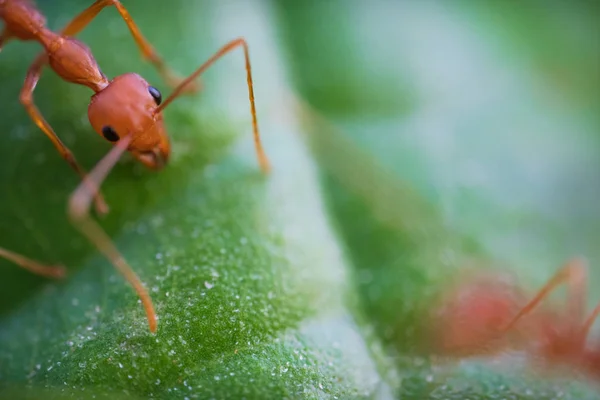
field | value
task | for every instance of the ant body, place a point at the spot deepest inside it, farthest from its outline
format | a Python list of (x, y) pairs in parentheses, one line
[(126, 111), (487, 316)]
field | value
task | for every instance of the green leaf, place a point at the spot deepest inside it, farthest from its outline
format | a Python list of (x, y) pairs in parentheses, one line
[(406, 140)]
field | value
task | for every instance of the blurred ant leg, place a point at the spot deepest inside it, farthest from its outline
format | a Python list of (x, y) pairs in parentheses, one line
[(26, 98), (589, 322), (232, 45), (85, 17), (574, 274), (51, 271), (79, 207)]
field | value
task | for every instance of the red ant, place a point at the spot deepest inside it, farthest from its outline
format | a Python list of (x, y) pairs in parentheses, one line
[(486, 316), (126, 111)]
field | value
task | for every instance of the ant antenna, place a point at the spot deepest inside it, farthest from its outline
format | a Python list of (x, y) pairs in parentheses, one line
[(262, 158)]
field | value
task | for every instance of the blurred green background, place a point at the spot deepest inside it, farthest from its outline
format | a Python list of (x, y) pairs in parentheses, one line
[(431, 134)]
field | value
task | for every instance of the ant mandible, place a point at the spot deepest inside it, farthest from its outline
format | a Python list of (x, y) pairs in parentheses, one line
[(126, 111), (486, 315)]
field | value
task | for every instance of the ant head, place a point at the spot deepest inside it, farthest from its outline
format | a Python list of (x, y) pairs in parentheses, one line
[(128, 106), (472, 313)]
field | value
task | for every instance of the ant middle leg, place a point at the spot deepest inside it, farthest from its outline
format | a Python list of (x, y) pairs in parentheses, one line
[(51, 271), (148, 52), (26, 98), (79, 205)]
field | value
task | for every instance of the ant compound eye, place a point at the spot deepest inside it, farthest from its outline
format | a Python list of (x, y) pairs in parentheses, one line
[(155, 93), (110, 134)]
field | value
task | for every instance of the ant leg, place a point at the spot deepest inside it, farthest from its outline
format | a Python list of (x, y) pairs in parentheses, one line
[(574, 273), (262, 158), (26, 98), (51, 271), (79, 205), (589, 322), (148, 52)]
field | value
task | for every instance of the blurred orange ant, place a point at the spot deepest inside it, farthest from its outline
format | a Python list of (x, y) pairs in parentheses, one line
[(487, 316), (126, 111)]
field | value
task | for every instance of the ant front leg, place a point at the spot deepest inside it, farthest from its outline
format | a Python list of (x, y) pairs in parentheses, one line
[(26, 98), (82, 20), (51, 271), (79, 207)]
